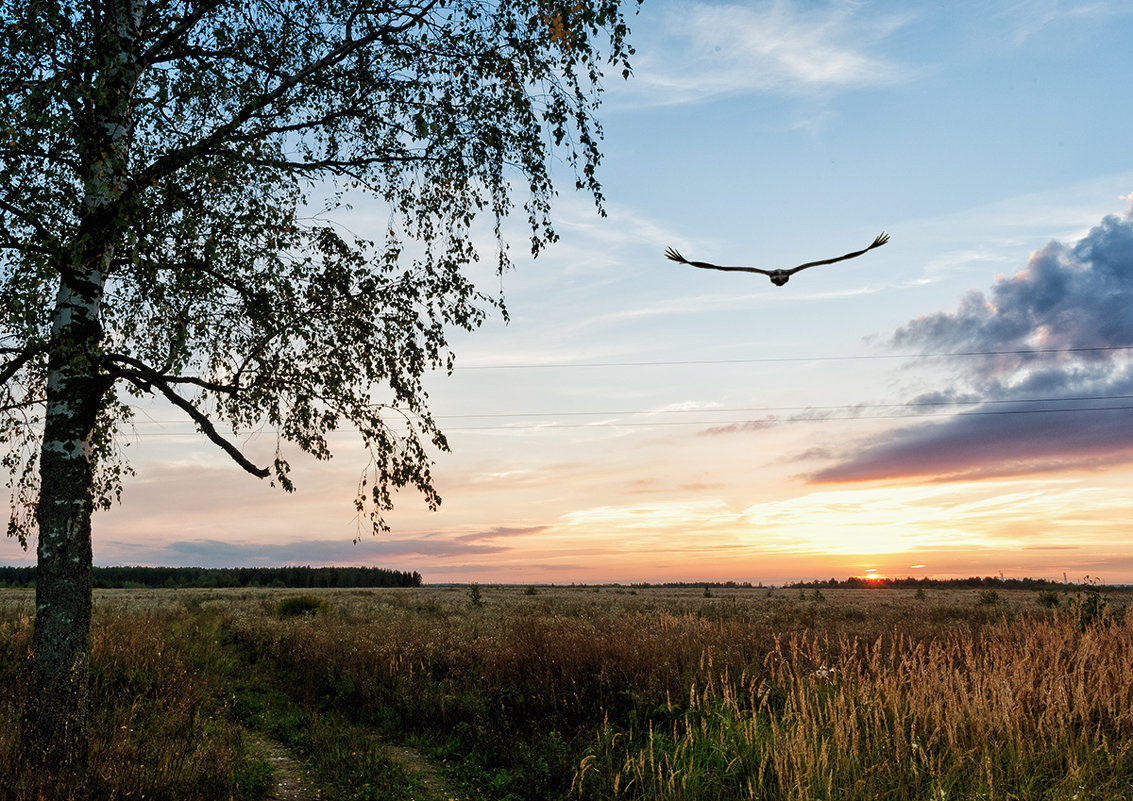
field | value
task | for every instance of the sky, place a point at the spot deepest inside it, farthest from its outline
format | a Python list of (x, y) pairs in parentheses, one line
[(958, 402)]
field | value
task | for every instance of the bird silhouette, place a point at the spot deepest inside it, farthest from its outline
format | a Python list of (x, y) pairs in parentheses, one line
[(779, 277)]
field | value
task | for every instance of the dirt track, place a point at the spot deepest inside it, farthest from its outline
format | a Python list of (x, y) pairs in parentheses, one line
[(291, 783)]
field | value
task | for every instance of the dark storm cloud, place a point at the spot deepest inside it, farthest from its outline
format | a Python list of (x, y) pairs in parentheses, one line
[(1015, 439), (1072, 299), (1066, 298)]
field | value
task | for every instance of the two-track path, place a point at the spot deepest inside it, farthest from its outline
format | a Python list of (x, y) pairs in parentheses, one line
[(290, 780)]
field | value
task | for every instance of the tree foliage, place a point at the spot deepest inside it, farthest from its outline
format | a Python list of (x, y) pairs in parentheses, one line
[(172, 180), (184, 160)]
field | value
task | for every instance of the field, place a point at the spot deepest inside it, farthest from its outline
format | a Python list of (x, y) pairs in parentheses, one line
[(598, 693)]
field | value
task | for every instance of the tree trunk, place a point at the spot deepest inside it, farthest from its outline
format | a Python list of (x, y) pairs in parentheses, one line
[(55, 711), (59, 677), (55, 708), (54, 720)]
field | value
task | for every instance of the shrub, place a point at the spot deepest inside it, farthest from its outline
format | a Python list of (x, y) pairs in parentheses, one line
[(988, 598), (1048, 598), (1089, 606), (301, 605)]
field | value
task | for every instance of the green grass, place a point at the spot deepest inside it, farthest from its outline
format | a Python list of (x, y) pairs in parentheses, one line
[(567, 693), (1034, 711), (174, 705), (158, 729)]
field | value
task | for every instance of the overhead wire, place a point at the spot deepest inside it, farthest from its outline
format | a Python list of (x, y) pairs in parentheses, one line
[(819, 413), (773, 359), (840, 407), (769, 421)]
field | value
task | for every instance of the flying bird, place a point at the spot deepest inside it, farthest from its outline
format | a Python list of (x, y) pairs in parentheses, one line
[(779, 277)]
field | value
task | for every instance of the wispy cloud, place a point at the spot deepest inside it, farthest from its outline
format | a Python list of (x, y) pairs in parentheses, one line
[(1073, 298), (223, 553), (704, 49), (498, 532), (1028, 18), (652, 517)]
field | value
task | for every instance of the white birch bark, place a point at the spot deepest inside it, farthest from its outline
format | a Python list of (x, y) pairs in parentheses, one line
[(55, 710)]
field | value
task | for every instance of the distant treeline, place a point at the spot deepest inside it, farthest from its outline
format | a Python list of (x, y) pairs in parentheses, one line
[(304, 577), (956, 583)]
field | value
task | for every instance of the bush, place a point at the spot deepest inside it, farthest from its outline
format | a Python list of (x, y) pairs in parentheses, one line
[(1048, 598), (301, 605), (989, 598), (1089, 606)]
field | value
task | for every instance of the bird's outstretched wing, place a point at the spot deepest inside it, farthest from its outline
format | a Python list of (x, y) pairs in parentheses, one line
[(675, 256), (878, 241), (779, 276)]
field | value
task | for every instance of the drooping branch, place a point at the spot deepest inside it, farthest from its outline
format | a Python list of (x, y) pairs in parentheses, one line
[(145, 374), (146, 379), (20, 357), (203, 266)]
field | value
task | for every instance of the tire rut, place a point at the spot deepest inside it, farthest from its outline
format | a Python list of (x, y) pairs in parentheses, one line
[(430, 784), (290, 781)]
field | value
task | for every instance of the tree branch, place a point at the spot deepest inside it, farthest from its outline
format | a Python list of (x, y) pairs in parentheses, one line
[(202, 266), (174, 160), (177, 33), (25, 404), (146, 383), (35, 224), (14, 364), (146, 374)]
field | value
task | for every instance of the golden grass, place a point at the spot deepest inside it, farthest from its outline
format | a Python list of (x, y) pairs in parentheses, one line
[(634, 694), (1023, 709), (156, 730)]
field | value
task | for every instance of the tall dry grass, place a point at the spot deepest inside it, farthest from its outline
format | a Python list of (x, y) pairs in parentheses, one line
[(657, 696), (1024, 709), (157, 725), (610, 694)]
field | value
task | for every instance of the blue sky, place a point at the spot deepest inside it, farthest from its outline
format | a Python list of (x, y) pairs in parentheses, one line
[(643, 420)]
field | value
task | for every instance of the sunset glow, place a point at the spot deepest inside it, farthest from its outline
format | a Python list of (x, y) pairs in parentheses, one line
[(641, 420)]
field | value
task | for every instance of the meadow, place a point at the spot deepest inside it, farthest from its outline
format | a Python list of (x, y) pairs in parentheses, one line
[(600, 693)]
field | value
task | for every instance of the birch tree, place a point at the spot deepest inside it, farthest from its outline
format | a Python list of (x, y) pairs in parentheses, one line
[(169, 173)]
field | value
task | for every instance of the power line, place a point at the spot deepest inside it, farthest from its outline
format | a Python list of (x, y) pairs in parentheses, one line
[(774, 359), (747, 409), (769, 421), (848, 414), (735, 410)]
